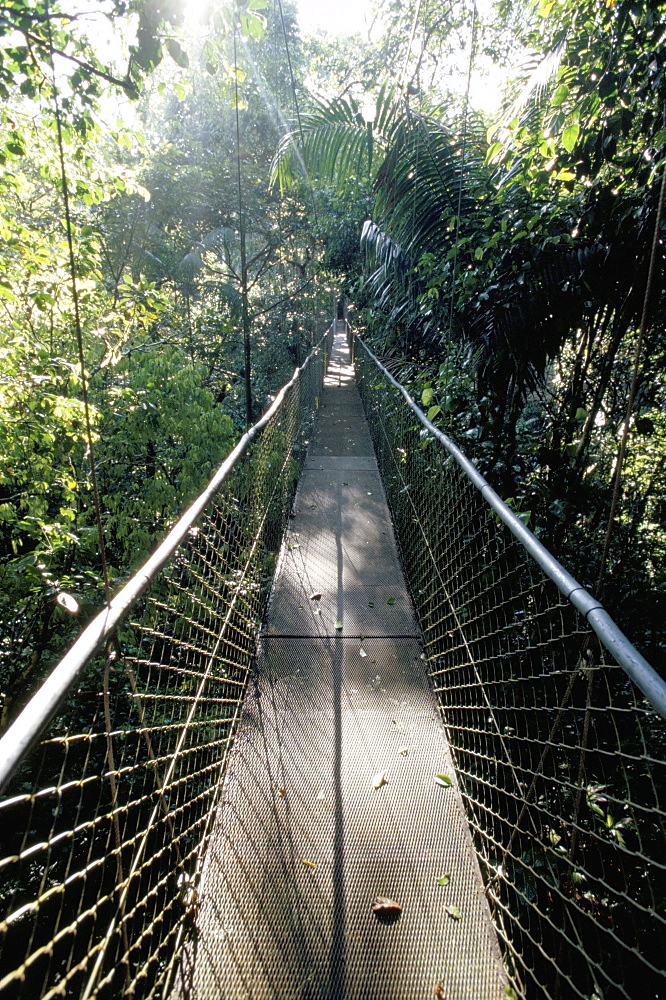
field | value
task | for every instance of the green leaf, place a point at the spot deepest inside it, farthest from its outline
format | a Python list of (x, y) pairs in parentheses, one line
[(443, 779), (177, 53), (453, 911), (391, 600), (338, 623), (560, 95), (253, 25), (426, 397), (443, 879), (570, 137), (433, 411)]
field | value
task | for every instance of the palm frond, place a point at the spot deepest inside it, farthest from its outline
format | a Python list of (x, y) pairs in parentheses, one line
[(333, 140), (534, 86)]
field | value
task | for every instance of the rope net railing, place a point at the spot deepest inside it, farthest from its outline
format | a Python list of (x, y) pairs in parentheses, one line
[(105, 821), (560, 756)]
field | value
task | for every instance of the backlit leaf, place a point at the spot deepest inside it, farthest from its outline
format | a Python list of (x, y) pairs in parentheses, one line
[(67, 602), (177, 53)]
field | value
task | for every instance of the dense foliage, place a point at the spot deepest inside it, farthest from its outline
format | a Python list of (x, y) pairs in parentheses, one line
[(164, 205), (506, 271), (502, 264)]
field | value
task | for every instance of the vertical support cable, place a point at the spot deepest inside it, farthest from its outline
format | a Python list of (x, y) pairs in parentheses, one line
[(247, 357), (462, 162), (633, 388), (77, 318)]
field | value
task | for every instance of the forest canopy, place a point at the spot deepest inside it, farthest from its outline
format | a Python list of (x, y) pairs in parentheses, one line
[(184, 198)]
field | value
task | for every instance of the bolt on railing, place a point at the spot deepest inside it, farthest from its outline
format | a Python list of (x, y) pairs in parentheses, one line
[(555, 721), (112, 774)]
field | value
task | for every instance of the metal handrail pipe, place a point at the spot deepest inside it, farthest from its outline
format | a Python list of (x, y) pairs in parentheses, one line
[(31, 722), (644, 676)]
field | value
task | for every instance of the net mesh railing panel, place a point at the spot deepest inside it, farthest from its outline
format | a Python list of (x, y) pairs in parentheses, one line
[(105, 823), (561, 760)]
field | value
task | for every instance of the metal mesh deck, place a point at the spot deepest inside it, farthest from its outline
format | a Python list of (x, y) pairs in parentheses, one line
[(303, 841)]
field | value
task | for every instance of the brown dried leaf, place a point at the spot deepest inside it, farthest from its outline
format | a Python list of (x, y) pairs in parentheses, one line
[(387, 908)]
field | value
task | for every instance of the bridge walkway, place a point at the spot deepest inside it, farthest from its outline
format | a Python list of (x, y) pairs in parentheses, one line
[(339, 704)]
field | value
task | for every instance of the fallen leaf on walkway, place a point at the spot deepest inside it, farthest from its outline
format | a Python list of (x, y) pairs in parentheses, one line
[(310, 864), (443, 779), (338, 623), (379, 779), (386, 908), (439, 992), (321, 797), (443, 879), (281, 792), (391, 600), (403, 751), (295, 545), (371, 604), (362, 652), (453, 912), (315, 597)]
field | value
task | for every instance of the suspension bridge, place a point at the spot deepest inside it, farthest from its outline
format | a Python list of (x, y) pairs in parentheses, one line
[(350, 732)]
